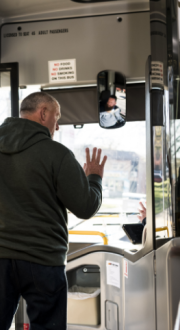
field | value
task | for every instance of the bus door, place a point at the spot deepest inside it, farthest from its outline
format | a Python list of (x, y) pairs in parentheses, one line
[(9, 95)]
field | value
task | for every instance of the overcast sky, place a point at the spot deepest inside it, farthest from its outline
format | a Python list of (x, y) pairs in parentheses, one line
[(131, 137)]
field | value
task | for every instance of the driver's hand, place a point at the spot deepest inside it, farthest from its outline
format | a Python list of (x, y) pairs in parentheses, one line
[(142, 212)]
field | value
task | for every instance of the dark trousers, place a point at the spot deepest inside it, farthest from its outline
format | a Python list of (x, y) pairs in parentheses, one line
[(44, 288)]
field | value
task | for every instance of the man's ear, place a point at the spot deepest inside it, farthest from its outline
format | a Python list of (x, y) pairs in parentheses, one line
[(43, 113)]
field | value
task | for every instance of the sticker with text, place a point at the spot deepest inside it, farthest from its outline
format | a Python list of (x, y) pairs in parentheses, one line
[(113, 273), (25, 326), (62, 71), (157, 77)]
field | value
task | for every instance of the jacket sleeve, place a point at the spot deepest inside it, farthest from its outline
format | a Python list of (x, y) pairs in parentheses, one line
[(80, 194)]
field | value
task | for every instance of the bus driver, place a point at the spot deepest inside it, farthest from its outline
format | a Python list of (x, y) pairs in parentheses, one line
[(110, 114)]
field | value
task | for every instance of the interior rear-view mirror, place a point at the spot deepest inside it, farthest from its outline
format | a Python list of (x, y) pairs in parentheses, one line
[(112, 99)]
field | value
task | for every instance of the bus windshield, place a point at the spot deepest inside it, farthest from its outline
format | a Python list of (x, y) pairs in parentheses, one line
[(124, 181)]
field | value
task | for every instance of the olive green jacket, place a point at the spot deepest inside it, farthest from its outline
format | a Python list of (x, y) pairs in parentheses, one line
[(39, 180)]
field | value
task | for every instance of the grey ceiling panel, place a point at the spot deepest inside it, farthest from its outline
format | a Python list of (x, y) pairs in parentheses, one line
[(21, 9), (97, 43)]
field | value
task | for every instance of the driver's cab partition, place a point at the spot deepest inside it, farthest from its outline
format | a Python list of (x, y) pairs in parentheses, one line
[(105, 309), (126, 288)]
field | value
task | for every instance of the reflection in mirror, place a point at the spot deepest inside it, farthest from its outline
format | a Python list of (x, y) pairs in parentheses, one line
[(112, 99)]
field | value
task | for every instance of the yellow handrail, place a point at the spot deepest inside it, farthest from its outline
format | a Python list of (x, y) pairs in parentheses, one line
[(84, 232), (163, 228)]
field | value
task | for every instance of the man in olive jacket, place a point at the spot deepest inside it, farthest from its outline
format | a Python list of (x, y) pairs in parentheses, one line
[(39, 180)]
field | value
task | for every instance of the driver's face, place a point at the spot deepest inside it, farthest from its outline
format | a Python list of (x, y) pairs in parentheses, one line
[(111, 102)]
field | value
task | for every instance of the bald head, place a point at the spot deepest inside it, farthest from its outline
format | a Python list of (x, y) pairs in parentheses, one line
[(43, 109), (31, 103)]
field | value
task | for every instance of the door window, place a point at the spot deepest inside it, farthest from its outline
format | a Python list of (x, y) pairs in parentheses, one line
[(5, 96)]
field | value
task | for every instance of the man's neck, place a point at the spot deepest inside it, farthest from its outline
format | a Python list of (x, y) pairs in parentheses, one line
[(31, 117)]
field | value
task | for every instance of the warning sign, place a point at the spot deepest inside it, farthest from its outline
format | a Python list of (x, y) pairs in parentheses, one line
[(157, 79), (126, 268), (62, 71)]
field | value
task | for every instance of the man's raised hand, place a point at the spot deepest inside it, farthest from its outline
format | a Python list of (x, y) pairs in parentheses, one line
[(93, 165)]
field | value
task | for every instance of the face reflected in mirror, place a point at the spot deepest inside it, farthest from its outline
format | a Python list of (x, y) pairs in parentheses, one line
[(112, 100)]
